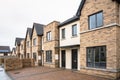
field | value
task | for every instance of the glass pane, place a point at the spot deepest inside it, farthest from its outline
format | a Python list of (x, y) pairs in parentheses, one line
[(102, 65), (97, 54), (99, 19), (74, 30), (92, 22), (97, 65), (103, 57)]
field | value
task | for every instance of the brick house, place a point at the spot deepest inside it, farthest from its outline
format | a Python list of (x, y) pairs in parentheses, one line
[(69, 43), (37, 33), (22, 49), (5, 51), (13, 51), (17, 44), (100, 37), (28, 43), (50, 42)]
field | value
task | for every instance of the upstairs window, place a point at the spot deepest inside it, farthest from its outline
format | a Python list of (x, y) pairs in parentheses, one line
[(96, 20), (63, 33), (34, 41), (74, 30), (49, 36)]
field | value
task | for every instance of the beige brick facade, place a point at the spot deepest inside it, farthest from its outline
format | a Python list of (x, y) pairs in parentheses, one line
[(28, 46), (52, 44), (107, 35), (22, 49), (36, 49)]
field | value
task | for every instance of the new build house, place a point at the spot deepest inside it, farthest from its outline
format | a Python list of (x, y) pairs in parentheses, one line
[(37, 33), (100, 37), (28, 43), (89, 42), (50, 44), (17, 44), (22, 49), (69, 43)]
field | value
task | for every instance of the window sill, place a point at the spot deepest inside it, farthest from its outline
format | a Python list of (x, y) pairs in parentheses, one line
[(48, 63), (106, 26), (101, 69), (74, 36), (63, 39)]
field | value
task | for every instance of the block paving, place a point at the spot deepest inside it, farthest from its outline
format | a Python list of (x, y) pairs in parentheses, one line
[(45, 73)]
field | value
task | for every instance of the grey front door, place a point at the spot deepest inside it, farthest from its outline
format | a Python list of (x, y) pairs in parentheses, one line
[(63, 62), (74, 58)]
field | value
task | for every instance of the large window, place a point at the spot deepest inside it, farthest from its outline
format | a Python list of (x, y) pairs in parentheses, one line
[(63, 33), (74, 30), (49, 56), (48, 36), (96, 57), (96, 20), (34, 41)]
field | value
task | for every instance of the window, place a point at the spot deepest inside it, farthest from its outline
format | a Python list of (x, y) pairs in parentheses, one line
[(63, 33), (34, 41), (34, 56), (27, 43), (74, 30), (96, 57), (96, 20), (49, 36), (49, 56)]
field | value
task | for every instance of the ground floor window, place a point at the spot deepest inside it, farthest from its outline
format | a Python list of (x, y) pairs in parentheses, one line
[(49, 56), (96, 57), (34, 56), (28, 55)]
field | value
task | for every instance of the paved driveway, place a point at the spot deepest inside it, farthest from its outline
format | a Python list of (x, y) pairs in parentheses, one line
[(44, 73)]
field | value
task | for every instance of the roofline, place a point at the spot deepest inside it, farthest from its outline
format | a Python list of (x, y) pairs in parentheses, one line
[(36, 31), (78, 13), (27, 32), (72, 20)]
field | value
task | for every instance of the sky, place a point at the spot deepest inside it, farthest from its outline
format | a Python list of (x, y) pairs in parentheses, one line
[(17, 15)]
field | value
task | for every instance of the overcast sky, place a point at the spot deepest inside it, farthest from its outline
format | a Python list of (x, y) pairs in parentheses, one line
[(17, 15)]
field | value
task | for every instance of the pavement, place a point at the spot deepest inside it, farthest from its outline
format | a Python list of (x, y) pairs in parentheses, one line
[(3, 74), (45, 73)]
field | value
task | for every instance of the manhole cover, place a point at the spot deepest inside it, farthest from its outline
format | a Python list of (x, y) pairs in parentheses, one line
[(16, 72)]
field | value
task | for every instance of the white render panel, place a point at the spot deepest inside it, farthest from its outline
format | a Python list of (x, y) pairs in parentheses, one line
[(69, 39), (69, 57)]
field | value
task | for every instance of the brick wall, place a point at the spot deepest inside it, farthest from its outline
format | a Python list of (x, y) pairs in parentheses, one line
[(12, 63), (50, 45), (107, 35)]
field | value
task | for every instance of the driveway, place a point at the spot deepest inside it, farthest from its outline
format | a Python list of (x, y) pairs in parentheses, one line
[(45, 73)]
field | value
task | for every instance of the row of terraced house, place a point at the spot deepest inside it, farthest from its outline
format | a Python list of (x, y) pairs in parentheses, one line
[(88, 42)]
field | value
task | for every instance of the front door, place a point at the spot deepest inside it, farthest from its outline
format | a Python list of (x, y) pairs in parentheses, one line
[(74, 58), (63, 62)]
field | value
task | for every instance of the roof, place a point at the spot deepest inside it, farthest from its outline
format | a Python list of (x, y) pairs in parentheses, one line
[(4, 49), (18, 40), (29, 31), (76, 17), (72, 19), (13, 49), (39, 29), (80, 8)]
